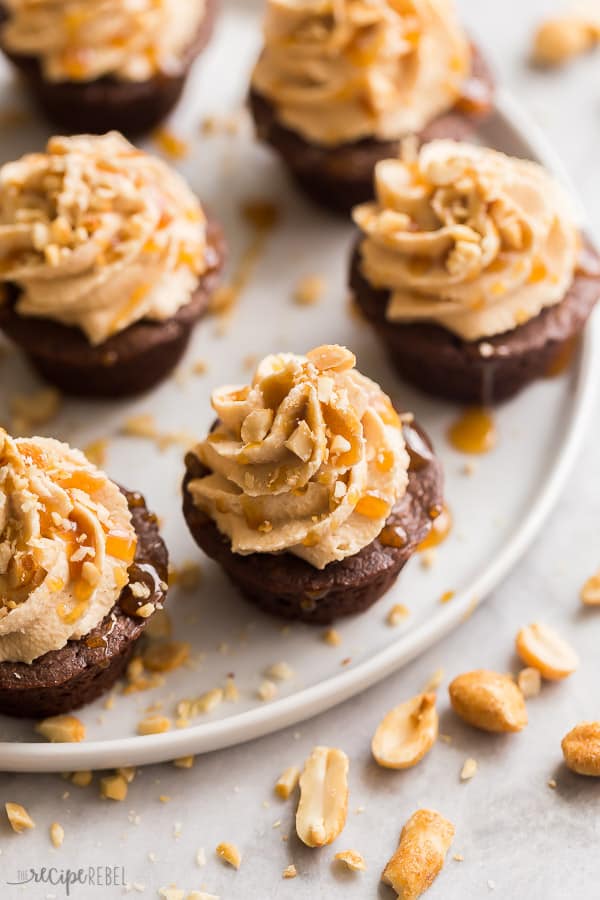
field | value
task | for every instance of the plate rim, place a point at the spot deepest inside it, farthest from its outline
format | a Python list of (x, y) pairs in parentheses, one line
[(18, 756)]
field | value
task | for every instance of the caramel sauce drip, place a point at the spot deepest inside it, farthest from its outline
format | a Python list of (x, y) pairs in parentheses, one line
[(393, 536), (441, 526), (419, 451), (473, 432), (564, 358), (144, 573)]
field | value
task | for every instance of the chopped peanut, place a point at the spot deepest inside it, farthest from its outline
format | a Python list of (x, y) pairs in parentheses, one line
[(407, 733), (560, 39), (323, 805), (57, 834), (352, 859), (62, 729), (287, 782), (489, 701), (469, 769), (590, 592), (230, 854), (18, 817), (581, 749), (113, 787), (542, 648), (530, 682), (290, 871), (154, 725), (421, 853), (166, 656)]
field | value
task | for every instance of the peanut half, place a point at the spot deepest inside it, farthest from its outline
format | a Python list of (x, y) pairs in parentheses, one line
[(424, 842), (560, 39), (581, 749), (489, 701), (323, 805), (541, 647), (590, 592), (407, 733)]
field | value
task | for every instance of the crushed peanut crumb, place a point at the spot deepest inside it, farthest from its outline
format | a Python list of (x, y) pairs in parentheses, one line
[(287, 782), (469, 769), (397, 614), (290, 871), (332, 637), (113, 787), (530, 682), (57, 834), (352, 859), (184, 762), (62, 729), (280, 671), (18, 817), (590, 592), (230, 854), (154, 725), (309, 290), (267, 690), (166, 656)]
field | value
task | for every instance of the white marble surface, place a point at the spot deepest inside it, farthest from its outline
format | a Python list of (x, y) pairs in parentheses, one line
[(519, 838)]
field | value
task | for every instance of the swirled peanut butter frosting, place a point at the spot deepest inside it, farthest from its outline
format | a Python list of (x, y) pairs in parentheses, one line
[(341, 70), (98, 234), (308, 459), (467, 237), (82, 40), (66, 542)]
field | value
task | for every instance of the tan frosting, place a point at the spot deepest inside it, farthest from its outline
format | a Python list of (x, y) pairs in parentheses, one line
[(309, 458), (81, 40), (467, 237), (98, 234), (340, 70), (66, 542)]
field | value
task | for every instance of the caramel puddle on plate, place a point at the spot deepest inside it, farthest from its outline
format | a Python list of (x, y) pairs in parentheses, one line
[(473, 432), (441, 526)]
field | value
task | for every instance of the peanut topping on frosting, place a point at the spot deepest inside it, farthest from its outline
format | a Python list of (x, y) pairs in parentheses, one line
[(66, 543), (340, 70), (81, 40), (98, 234), (467, 237), (309, 459)]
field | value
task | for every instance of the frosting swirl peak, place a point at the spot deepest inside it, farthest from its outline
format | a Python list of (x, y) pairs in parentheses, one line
[(66, 543), (98, 235), (82, 40), (308, 459), (341, 70), (467, 237)]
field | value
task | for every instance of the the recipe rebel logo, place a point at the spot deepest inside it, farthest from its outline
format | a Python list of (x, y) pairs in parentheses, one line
[(71, 879)]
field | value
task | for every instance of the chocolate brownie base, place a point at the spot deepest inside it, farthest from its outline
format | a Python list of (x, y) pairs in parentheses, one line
[(285, 585), (340, 177), (493, 369), (66, 679), (107, 104), (128, 363)]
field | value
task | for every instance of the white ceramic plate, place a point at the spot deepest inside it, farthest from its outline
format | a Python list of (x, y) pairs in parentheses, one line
[(497, 510)]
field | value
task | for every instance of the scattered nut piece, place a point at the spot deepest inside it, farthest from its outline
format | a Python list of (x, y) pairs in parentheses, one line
[(407, 733), (560, 39), (62, 729), (352, 860), (421, 853), (113, 787), (323, 805), (82, 779), (184, 762), (230, 854), (57, 834), (397, 614), (541, 647), (18, 817), (469, 769), (581, 749), (332, 358), (287, 782), (434, 681), (290, 871), (267, 690), (309, 290), (166, 656), (127, 772), (154, 725), (280, 672), (230, 691), (489, 701), (332, 637), (530, 682), (590, 592)]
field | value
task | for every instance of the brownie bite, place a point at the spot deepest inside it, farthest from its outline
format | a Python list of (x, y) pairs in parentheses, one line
[(310, 491), (82, 571), (338, 86), (99, 65), (473, 271), (108, 262)]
